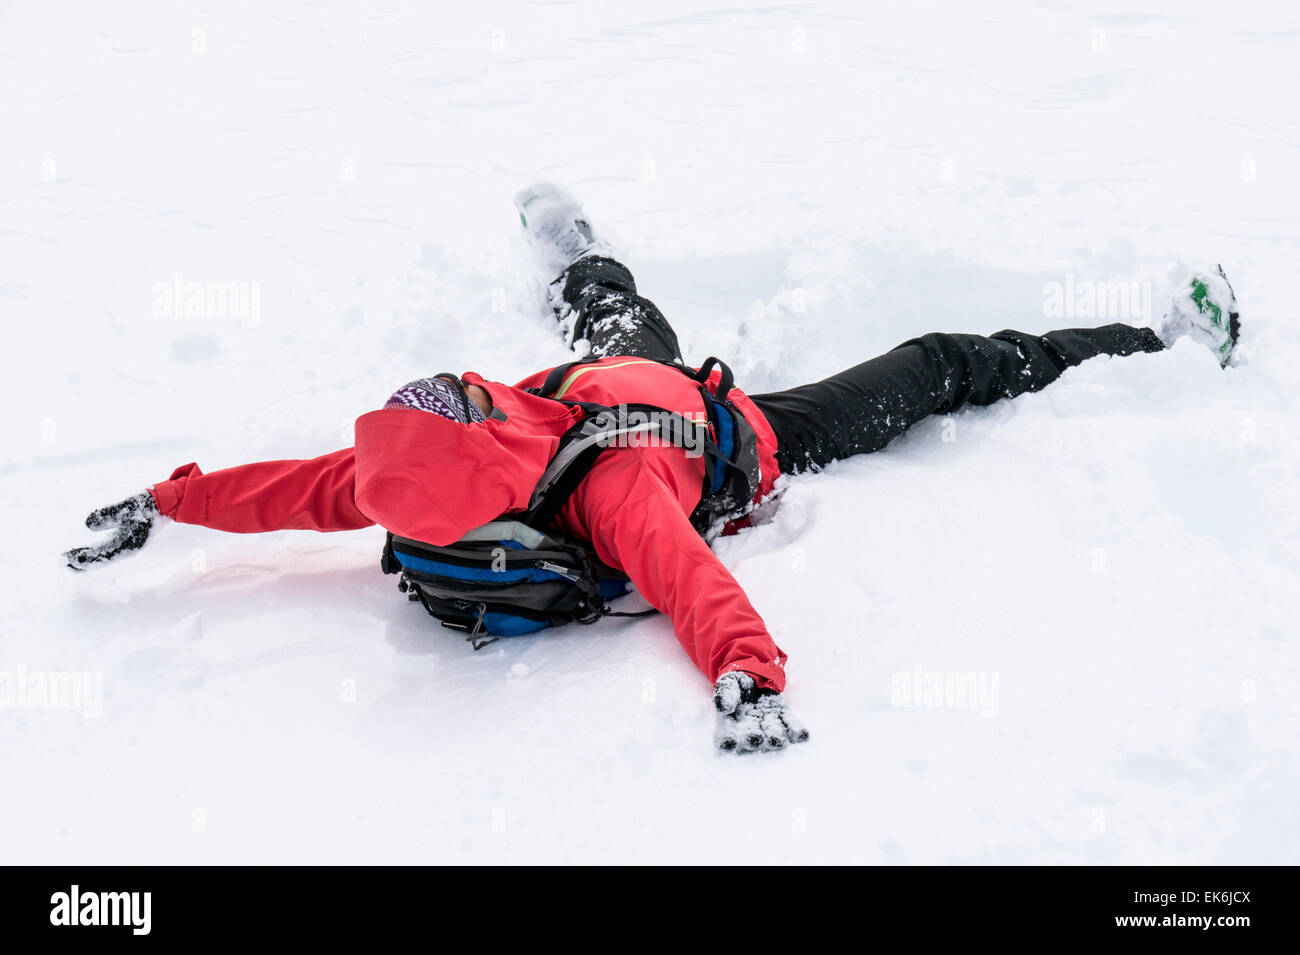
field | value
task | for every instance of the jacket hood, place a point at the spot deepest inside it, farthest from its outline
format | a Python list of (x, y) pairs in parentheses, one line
[(422, 476)]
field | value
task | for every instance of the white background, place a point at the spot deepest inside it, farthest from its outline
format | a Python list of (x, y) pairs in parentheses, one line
[(800, 187)]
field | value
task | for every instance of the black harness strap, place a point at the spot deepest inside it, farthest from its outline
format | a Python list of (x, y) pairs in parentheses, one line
[(555, 377), (741, 468), (674, 428), (725, 381), (548, 508)]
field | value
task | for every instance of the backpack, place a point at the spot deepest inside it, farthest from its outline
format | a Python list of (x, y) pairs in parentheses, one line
[(519, 574)]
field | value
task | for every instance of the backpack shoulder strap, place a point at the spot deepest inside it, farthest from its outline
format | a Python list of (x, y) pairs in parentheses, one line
[(579, 448), (731, 473), (725, 380), (555, 377), (602, 428)]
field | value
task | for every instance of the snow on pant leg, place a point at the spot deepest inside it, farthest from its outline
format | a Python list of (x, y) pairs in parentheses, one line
[(864, 408), (599, 295)]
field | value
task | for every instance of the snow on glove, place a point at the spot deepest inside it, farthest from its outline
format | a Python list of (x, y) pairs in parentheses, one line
[(130, 522), (751, 717)]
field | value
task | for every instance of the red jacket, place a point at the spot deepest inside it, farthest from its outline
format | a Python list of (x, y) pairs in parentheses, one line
[(426, 477)]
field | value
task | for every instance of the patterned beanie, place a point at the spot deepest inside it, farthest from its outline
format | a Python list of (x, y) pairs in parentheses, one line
[(437, 395)]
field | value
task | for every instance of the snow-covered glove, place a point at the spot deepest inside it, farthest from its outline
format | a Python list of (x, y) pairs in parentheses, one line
[(130, 522), (751, 717)]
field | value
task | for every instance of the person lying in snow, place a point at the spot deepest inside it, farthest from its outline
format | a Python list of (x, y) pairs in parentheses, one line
[(446, 455)]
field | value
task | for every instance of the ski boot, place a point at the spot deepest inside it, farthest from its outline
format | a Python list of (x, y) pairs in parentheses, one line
[(1205, 308), (556, 226)]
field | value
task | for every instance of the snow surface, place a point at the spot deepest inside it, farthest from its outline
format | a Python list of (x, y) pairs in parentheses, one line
[(800, 186)]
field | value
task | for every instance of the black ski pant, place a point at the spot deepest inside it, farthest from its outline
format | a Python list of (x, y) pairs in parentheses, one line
[(599, 295), (865, 407)]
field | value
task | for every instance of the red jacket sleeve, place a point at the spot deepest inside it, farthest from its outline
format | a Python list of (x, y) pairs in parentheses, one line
[(643, 530), (315, 494)]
